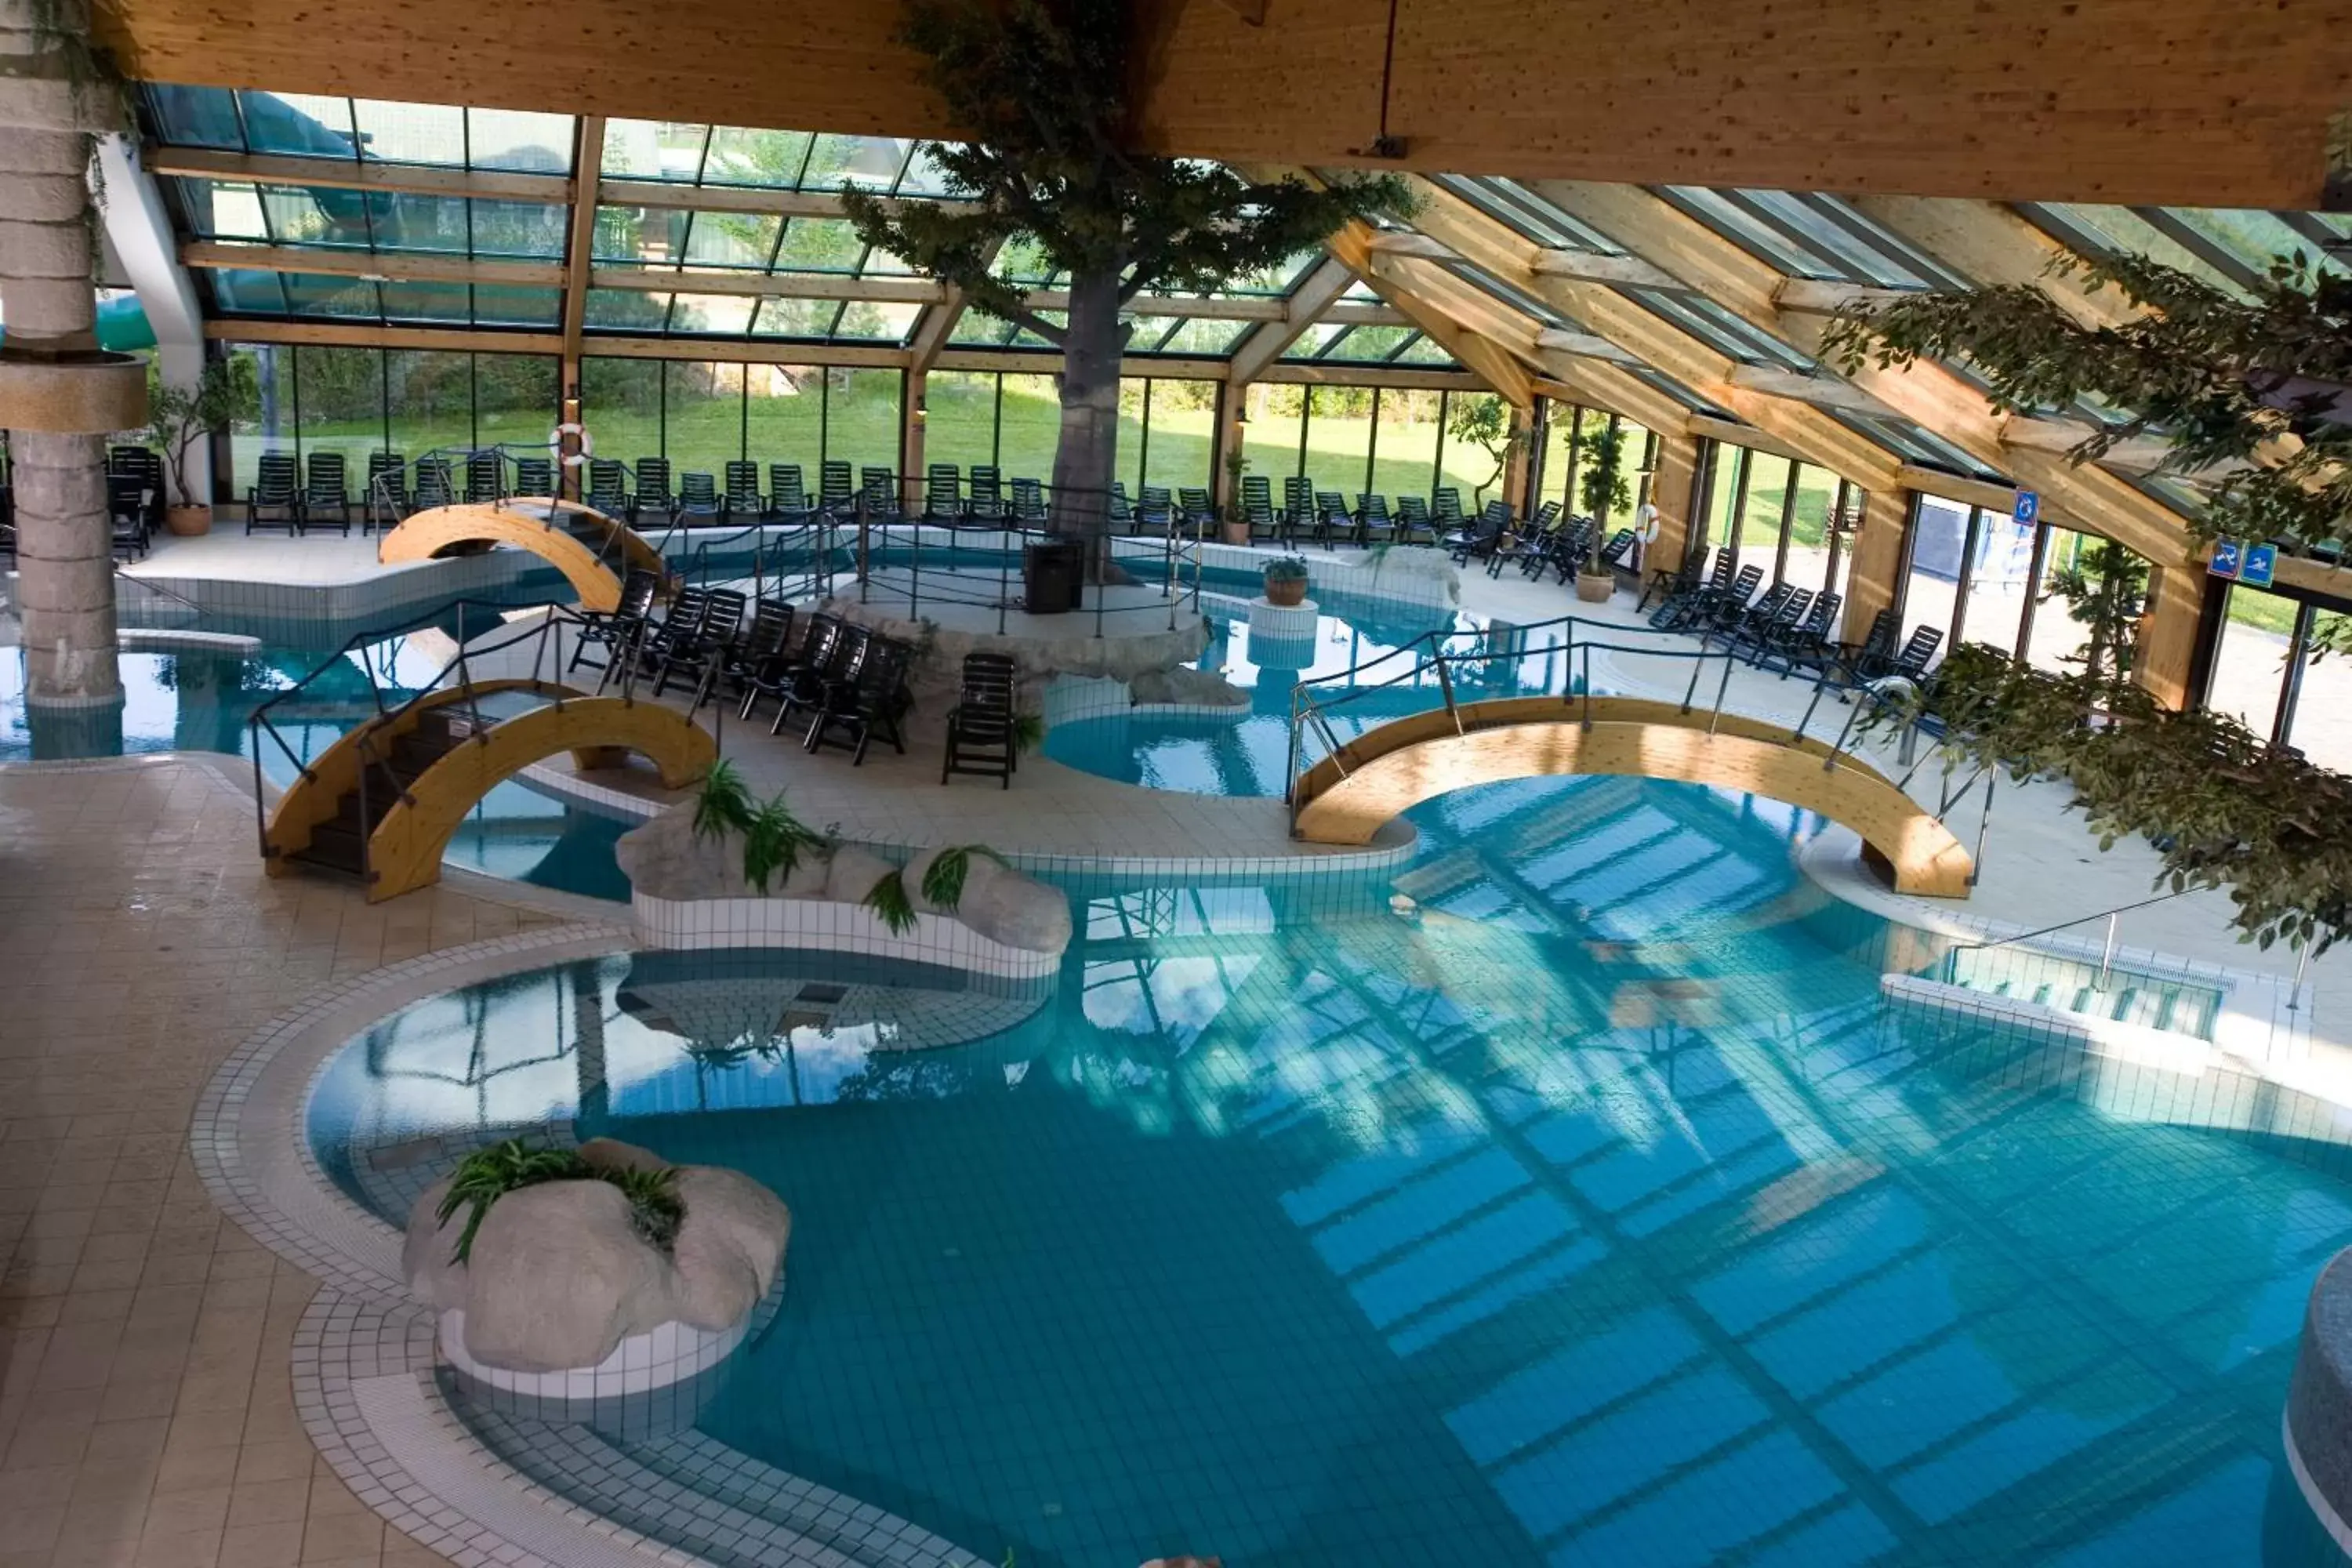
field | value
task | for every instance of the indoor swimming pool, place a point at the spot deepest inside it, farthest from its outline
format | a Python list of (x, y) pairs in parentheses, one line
[(1586, 1206)]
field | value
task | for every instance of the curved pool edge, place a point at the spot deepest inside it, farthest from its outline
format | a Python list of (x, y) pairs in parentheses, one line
[(365, 1362)]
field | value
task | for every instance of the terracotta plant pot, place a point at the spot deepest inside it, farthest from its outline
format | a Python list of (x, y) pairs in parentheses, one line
[(1235, 530), (188, 521), (1595, 587), (1285, 591)]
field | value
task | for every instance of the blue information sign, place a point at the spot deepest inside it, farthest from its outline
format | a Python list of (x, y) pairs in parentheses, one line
[(2029, 506), (2225, 563), (2262, 561)]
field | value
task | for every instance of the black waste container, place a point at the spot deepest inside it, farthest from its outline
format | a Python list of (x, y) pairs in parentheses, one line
[(1051, 575)]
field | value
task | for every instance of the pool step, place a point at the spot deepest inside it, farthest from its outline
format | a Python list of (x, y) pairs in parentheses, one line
[(2070, 985), (340, 843)]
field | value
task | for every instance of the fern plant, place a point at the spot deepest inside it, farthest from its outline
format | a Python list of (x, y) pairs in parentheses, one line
[(890, 904), (773, 842), (943, 882), (486, 1176), (724, 805)]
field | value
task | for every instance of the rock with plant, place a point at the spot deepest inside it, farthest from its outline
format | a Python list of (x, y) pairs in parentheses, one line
[(973, 883), (555, 1255)]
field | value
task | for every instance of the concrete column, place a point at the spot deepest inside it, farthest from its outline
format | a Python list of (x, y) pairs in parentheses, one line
[(59, 396), (1877, 558)]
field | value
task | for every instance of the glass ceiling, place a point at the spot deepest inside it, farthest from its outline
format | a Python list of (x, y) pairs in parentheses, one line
[(777, 275)]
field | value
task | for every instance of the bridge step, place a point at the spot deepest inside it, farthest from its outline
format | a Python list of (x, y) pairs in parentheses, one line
[(340, 843)]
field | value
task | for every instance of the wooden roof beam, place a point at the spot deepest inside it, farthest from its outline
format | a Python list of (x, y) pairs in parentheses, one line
[(1316, 293), (1492, 362), (391, 266), (348, 175), (580, 239)]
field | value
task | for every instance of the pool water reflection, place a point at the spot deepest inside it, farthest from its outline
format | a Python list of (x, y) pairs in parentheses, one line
[(1595, 1209)]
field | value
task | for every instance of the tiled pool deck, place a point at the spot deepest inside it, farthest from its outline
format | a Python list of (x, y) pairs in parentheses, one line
[(158, 1365)]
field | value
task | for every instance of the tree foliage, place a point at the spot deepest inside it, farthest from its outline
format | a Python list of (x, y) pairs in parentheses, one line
[(179, 416), (1602, 489), (1041, 89), (2221, 808), (1485, 423), (2253, 392)]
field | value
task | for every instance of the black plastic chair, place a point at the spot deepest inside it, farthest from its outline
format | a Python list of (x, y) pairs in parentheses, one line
[(436, 484), (837, 491), (1029, 503), (839, 649), (1257, 507), (274, 498), (326, 496), (1619, 551), (652, 497), (127, 496), (1689, 587), (742, 506), (608, 488), (987, 494), (1156, 512), (788, 499), (869, 702), (146, 465), (1483, 536), (1194, 510), (698, 654), (1806, 639), (983, 727), (759, 645), (657, 641), (943, 493), (535, 477), (1297, 510), (387, 504), (616, 629), (486, 478), (784, 676), (1413, 522), (1373, 523), (697, 500)]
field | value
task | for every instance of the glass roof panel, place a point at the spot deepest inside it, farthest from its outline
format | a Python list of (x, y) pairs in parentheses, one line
[(626, 310), (1744, 227), (732, 240), (1832, 230), (924, 175), (310, 294), (821, 245), (411, 132), (525, 142), (1423, 349), (868, 163), (877, 320), (1193, 334), (977, 328), (243, 291), (218, 209), (1023, 261), (647, 236), (194, 116), (499, 305), (712, 315), (1719, 329), (2254, 238), (1510, 294), (2100, 230), (1539, 219), (427, 302), (781, 317), (767, 158), (297, 122), (533, 229), (654, 150)]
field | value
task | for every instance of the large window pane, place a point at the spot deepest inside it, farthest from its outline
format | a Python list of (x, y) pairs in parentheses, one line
[(195, 116), (620, 403), (1998, 586), (960, 417), (1467, 464), (1183, 413), (783, 413), (299, 122), (2323, 713), (1808, 527), (1406, 463), (705, 420), (431, 402), (1938, 531), (1032, 428), (654, 150), (741, 157), (2251, 661), (1340, 438), (271, 427), (514, 138), (411, 132), (515, 400), (341, 395), (533, 229), (1270, 440), (1760, 525), (714, 315)]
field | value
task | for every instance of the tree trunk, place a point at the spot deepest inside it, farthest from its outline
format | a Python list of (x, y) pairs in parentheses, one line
[(1087, 459)]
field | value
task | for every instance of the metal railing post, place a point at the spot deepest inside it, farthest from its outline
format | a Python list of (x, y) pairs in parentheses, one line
[(2108, 954), (1984, 820), (1445, 685)]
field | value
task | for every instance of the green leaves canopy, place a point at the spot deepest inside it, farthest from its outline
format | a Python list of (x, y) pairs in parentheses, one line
[(1041, 87), (2254, 393)]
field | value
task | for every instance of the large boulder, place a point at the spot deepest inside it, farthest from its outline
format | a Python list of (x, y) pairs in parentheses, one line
[(853, 873), (998, 903), (666, 858), (558, 1276), (1191, 688)]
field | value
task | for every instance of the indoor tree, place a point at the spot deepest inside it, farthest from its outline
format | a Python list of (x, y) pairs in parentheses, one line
[(180, 416), (1043, 90), (1486, 423), (1602, 489)]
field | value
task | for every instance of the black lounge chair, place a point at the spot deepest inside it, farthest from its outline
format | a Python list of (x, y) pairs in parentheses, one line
[(983, 727), (698, 502), (326, 495), (616, 629), (1157, 511), (146, 465), (1484, 536), (866, 701), (652, 496), (788, 499), (1413, 522), (1619, 551), (1257, 505), (795, 679), (987, 494), (1331, 517), (1298, 512), (1122, 510), (486, 478), (436, 484), (655, 641), (1373, 523), (1194, 510), (837, 489), (1720, 610), (387, 491), (535, 477), (608, 488), (1688, 585), (879, 489), (1530, 548), (1445, 511), (1028, 503), (699, 654), (275, 498), (1807, 643), (1758, 631), (759, 645), (127, 496), (742, 506), (943, 493)]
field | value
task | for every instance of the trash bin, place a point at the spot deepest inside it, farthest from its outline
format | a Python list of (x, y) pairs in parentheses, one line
[(1052, 576)]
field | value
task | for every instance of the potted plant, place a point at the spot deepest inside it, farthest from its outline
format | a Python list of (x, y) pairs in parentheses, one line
[(177, 419), (1604, 491), (1235, 528), (1285, 581)]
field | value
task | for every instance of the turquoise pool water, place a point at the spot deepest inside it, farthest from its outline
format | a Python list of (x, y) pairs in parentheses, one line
[(1593, 1211), (199, 699)]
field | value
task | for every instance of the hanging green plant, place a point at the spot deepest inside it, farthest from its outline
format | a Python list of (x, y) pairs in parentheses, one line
[(774, 842), (724, 803), (943, 880), (888, 900)]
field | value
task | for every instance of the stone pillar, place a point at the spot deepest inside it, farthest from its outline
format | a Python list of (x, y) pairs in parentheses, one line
[(59, 396), (1877, 560)]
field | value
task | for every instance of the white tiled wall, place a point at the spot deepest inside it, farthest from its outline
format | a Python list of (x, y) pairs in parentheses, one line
[(825, 925), (671, 1353)]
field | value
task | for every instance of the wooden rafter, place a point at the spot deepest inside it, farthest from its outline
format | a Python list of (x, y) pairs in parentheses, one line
[(580, 239), (346, 175), (1317, 294), (395, 267), (1492, 362)]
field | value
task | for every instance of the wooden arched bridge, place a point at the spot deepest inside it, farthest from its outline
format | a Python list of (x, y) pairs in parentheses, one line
[(589, 547)]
